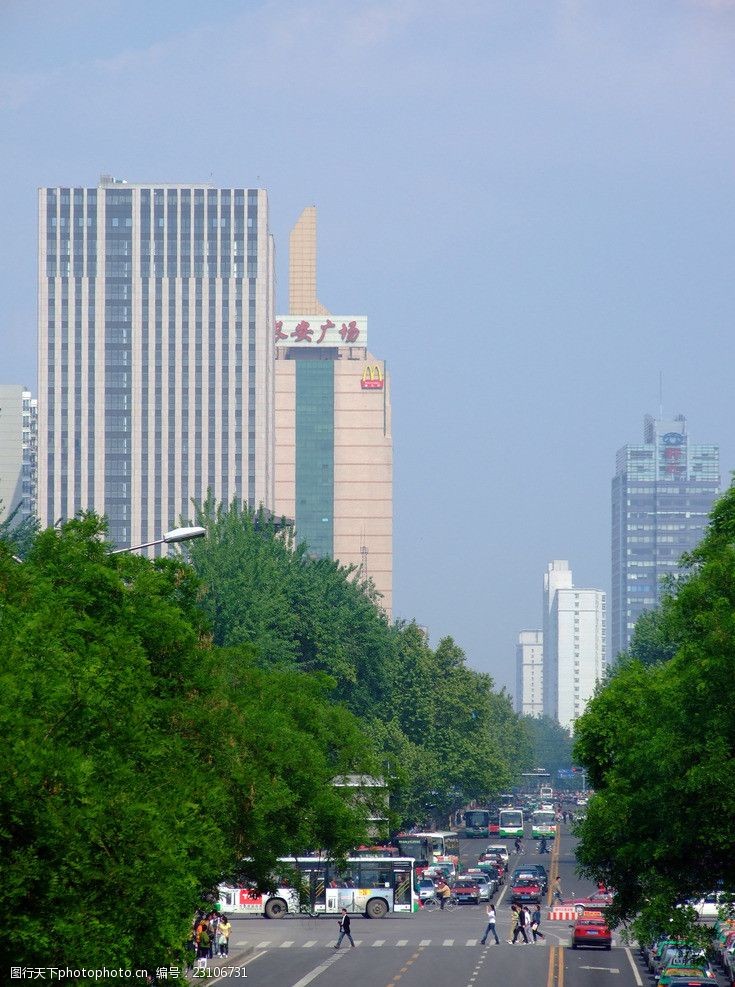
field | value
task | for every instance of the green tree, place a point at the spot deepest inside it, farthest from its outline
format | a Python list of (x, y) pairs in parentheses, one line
[(658, 743), (550, 742), (147, 765)]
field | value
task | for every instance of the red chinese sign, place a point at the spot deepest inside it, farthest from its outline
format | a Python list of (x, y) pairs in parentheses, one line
[(320, 330)]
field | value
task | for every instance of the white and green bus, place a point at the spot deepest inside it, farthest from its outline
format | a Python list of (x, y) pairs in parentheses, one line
[(510, 824), (543, 824)]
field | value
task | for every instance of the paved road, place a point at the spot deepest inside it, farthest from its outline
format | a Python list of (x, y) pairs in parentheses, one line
[(432, 949)]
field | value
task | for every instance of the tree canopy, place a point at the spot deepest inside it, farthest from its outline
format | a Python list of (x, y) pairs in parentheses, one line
[(147, 765), (443, 734), (658, 743)]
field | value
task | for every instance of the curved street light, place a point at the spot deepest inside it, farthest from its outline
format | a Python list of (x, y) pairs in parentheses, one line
[(168, 538)]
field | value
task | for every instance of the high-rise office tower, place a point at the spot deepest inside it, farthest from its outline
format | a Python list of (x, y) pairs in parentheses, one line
[(574, 644), (529, 695), (662, 493), (155, 352), (334, 451), (18, 438)]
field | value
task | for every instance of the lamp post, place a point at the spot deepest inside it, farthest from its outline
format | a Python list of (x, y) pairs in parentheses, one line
[(168, 538)]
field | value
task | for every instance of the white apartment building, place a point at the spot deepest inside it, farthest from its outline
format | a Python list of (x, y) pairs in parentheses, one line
[(574, 644), (156, 357), (529, 694), (18, 433)]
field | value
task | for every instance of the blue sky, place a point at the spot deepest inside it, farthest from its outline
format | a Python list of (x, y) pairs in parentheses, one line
[(531, 201)]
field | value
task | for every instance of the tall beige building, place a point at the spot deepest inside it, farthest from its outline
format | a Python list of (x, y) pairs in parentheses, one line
[(155, 352), (334, 450)]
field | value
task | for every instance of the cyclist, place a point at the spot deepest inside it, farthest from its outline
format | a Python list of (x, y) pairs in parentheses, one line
[(443, 892), (519, 845)]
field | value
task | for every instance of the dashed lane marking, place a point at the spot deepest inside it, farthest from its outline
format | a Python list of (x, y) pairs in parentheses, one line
[(311, 942), (448, 942), (402, 942), (379, 942)]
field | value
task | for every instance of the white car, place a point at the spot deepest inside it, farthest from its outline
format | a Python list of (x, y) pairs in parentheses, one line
[(501, 849), (488, 887), (427, 888)]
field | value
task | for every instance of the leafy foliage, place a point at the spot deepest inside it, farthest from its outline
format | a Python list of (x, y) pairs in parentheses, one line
[(444, 736), (146, 763), (551, 743), (658, 743)]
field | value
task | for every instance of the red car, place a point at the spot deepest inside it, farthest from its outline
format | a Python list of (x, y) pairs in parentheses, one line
[(590, 929), (525, 891)]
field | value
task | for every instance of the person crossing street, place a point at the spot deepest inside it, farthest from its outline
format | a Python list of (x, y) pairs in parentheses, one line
[(490, 929), (344, 930)]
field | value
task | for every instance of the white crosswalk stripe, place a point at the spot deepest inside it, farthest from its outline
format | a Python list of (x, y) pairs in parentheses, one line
[(425, 942), (379, 942), (263, 945), (448, 942), (471, 942), (286, 944), (402, 942), (311, 942)]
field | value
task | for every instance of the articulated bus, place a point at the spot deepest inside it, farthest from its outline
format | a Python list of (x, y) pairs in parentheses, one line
[(430, 849), (511, 824), (543, 823), (477, 823), (370, 886)]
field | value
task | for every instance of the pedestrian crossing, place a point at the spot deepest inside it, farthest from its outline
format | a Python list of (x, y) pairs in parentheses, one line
[(384, 943)]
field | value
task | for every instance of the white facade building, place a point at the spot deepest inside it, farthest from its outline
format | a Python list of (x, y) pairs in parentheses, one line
[(156, 357), (18, 432), (574, 644), (529, 694)]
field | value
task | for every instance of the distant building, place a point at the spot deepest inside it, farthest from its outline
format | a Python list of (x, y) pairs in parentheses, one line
[(18, 451), (662, 493), (334, 449), (529, 694), (155, 352), (574, 644)]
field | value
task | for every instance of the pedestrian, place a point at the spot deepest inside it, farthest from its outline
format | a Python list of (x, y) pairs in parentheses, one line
[(543, 846), (203, 944), (556, 891), (344, 930), (536, 924), (223, 934), (521, 927), (513, 923), (490, 929), (564, 815)]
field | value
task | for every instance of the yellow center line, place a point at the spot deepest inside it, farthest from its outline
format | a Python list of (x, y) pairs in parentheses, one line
[(560, 981), (552, 959), (553, 867)]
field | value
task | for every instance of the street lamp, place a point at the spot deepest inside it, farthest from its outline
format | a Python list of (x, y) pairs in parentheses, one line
[(168, 538)]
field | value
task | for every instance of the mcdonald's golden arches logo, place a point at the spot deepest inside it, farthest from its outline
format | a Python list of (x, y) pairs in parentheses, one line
[(372, 378)]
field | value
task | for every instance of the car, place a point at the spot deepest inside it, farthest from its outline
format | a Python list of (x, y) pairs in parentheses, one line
[(525, 891), (591, 930), (488, 884), (678, 953), (533, 870), (676, 970), (427, 888), (689, 982), (492, 870), (499, 849), (466, 890), (593, 902)]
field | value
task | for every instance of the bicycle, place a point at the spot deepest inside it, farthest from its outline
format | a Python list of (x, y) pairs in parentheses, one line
[(433, 903)]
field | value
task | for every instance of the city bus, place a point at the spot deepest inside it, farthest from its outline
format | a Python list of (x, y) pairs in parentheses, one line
[(430, 849), (511, 824), (370, 886), (543, 823), (477, 823)]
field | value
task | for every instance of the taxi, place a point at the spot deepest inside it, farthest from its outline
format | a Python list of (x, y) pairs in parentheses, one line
[(591, 929), (686, 971)]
